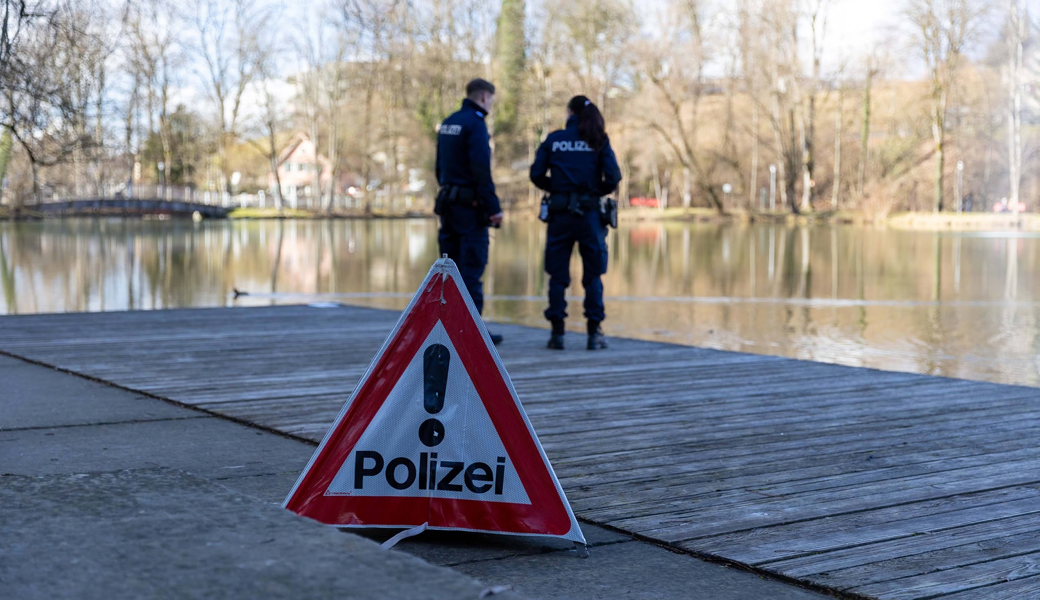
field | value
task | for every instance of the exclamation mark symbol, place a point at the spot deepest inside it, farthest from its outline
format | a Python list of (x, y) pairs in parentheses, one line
[(435, 384)]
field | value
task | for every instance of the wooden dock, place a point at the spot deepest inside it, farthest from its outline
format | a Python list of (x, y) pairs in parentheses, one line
[(869, 483)]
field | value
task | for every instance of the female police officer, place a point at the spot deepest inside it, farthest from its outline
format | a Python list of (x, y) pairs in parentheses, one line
[(576, 166)]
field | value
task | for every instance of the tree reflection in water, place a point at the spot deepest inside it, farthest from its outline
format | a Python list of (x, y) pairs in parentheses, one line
[(961, 305)]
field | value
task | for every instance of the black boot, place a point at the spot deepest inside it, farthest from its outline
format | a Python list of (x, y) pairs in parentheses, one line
[(556, 339), (596, 339)]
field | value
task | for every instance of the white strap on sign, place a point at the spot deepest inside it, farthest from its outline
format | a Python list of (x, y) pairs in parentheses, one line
[(407, 533)]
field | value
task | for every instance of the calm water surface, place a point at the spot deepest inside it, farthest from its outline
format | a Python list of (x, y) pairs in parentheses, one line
[(957, 304)]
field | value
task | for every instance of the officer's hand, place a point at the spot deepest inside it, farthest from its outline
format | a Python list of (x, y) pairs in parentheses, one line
[(496, 220)]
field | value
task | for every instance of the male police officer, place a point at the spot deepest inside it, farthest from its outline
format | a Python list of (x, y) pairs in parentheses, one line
[(467, 203)]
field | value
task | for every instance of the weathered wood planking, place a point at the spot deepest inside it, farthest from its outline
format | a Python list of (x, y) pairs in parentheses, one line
[(887, 485)]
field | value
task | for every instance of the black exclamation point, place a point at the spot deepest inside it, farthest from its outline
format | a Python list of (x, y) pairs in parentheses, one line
[(435, 383)]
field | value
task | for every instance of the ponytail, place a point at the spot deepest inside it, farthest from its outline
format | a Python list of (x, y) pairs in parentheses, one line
[(591, 127)]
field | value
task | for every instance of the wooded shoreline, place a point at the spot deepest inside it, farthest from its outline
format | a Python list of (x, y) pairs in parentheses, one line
[(919, 221)]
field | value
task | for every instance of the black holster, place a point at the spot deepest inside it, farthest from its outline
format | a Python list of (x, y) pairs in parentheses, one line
[(608, 212)]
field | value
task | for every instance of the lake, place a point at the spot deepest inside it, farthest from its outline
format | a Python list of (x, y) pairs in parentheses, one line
[(957, 304)]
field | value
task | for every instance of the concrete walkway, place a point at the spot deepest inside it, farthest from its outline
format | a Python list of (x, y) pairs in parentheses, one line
[(108, 494)]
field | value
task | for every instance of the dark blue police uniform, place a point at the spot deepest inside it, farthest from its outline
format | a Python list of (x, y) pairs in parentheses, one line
[(576, 176), (467, 197)]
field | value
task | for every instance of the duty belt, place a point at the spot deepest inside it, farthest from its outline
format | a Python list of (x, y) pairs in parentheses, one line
[(454, 193), (574, 202)]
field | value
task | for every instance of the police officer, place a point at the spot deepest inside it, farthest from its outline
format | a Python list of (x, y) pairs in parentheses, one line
[(576, 166), (467, 203)]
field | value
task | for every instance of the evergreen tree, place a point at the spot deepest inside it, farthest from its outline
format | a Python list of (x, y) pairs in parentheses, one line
[(510, 60)]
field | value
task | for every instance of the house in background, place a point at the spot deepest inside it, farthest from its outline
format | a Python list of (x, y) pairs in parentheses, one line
[(296, 170)]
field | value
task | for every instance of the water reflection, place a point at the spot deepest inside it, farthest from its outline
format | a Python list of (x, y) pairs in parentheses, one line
[(962, 305)]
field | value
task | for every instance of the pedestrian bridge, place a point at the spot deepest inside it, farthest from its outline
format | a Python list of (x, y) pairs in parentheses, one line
[(130, 206)]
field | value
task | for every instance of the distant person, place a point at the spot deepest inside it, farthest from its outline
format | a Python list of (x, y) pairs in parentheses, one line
[(969, 200), (577, 167), (466, 202)]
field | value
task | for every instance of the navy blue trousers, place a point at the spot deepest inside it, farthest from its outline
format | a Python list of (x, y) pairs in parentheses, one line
[(565, 230), (465, 240)]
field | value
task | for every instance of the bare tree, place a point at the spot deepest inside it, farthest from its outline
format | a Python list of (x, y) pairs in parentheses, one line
[(598, 32), (816, 13), (749, 31), (375, 24), (326, 84), (269, 119), (1015, 33), (944, 29), (230, 52), (47, 109), (839, 128), (678, 78), (871, 71), (17, 14), (155, 34), (782, 68)]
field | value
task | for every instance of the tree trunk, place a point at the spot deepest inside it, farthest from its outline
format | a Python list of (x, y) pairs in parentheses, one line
[(657, 183), (839, 117), (316, 186), (6, 148), (333, 159), (939, 137), (778, 142), (225, 181), (366, 158), (130, 109), (753, 185), (808, 158), (36, 182), (686, 197), (99, 138), (790, 177), (864, 135), (1015, 35), (165, 135), (273, 162)]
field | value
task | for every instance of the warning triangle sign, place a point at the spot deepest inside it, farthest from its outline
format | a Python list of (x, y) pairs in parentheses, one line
[(435, 435)]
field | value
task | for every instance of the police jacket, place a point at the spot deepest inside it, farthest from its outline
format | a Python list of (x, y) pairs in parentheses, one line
[(573, 166), (464, 154)]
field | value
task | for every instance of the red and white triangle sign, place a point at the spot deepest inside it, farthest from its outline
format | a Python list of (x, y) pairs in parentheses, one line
[(435, 434)]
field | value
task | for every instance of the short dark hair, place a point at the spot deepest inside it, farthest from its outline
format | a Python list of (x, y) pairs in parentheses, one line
[(479, 85)]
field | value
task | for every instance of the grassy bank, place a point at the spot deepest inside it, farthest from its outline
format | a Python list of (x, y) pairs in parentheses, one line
[(923, 221), (289, 213), (965, 221)]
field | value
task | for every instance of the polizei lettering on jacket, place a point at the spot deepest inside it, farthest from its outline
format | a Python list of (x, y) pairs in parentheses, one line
[(568, 146), (451, 129), (429, 473)]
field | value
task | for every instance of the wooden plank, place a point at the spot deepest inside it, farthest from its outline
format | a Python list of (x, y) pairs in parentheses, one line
[(1019, 589), (940, 583), (970, 537), (1001, 544)]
